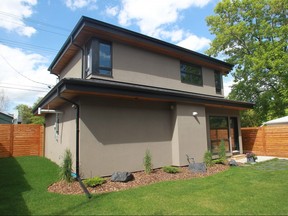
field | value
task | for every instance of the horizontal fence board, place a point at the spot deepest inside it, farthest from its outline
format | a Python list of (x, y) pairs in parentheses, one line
[(21, 140), (267, 140)]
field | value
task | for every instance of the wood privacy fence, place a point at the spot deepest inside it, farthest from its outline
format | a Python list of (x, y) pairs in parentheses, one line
[(267, 140), (21, 140)]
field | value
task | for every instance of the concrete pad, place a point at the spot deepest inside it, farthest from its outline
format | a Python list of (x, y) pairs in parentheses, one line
[(259, 159)]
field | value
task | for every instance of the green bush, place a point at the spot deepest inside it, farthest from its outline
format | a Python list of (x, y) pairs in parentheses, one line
[(93, 182), (66, 166), (208, 158), (148, 162), (222, 153), (171, 169)]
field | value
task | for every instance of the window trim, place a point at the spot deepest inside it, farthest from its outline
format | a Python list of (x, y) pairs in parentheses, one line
[(92, 67), (193, 65)]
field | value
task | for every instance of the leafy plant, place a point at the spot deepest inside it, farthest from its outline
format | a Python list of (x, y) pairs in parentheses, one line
[(93, 182), (251, 155), (148, 162), (222, 153), (208, 158), (171, 169), (66, 166)]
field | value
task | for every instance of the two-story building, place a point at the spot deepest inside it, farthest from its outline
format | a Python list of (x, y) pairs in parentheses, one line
[(121, 93)]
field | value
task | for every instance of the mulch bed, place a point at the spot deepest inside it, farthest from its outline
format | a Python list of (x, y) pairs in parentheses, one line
[(140, 179)]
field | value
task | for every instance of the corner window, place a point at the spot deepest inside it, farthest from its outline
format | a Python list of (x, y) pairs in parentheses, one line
[(191, 74), (218, 82), (98, 58)]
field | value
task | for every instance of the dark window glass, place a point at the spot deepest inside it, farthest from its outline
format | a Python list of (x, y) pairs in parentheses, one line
[(191, 74), (98, 58), (218, 82), (104, 55), (219, 131)]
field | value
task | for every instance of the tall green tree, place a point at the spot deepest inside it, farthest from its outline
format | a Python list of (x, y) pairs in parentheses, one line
[(27, 116), (253, 34)]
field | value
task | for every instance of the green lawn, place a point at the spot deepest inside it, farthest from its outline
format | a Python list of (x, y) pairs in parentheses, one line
[(259, 189)]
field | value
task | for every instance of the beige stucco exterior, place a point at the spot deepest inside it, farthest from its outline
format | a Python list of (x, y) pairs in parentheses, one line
[(115, 133), (55, 145), (138, 66), (116, 129)]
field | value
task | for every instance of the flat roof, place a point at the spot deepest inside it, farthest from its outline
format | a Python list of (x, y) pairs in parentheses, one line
[(88, 27)]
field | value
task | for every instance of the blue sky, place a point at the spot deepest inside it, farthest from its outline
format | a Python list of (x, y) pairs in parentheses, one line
[(32, 32)]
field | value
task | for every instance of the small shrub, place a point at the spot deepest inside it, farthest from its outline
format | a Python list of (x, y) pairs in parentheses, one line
[(222, 153), (66, 166), (171, 169), (93, 182), (148, 162), (208, 158)]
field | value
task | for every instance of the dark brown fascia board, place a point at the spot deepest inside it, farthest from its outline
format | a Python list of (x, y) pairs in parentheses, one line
[(132, 90), (86, 21)]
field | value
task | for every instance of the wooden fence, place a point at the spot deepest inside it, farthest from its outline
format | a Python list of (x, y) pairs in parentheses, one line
[(21, 140), (267, 140)]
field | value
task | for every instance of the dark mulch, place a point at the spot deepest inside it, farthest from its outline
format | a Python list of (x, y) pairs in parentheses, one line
[(140, 179)]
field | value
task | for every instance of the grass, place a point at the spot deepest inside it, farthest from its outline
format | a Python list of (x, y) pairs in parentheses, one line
[(238, 191)]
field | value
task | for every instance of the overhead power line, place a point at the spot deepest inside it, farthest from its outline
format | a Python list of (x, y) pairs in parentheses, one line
[(35, 21), (22, 74), (28, 46), (23, 89)]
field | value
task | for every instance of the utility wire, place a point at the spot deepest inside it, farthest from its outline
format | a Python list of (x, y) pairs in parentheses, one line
[(21, 85), (36, 90), (22, 74), (35, 21), (29, 46)]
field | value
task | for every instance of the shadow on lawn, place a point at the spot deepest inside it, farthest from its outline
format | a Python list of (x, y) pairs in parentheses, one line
[(12, 185)]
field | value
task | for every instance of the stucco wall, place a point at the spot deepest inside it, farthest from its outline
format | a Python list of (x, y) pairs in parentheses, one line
[(74, 68), (191, 136), (116, 133), (54, 148), (134, 65)]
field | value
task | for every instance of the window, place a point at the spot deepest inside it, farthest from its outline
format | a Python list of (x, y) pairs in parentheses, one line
[(219, 130), (191, 74), (98, 58), (218, 82)]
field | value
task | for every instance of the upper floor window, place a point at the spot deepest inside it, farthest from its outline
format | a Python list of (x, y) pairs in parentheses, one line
[(191, 74), (98, 58), (218, 82)]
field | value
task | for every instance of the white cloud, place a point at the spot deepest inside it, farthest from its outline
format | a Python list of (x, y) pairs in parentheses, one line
[(195, 43), (78, 4), (33, 66), (112, 11), (13, 13), (149, 15)]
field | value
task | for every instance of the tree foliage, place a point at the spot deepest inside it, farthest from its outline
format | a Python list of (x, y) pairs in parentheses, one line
[(26, 115), (253, 35)]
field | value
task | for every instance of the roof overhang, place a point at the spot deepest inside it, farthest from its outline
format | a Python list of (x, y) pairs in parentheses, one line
[(74, 88), (87, 28)]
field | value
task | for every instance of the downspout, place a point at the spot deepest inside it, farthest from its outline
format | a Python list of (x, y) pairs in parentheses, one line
[(77, 142)]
